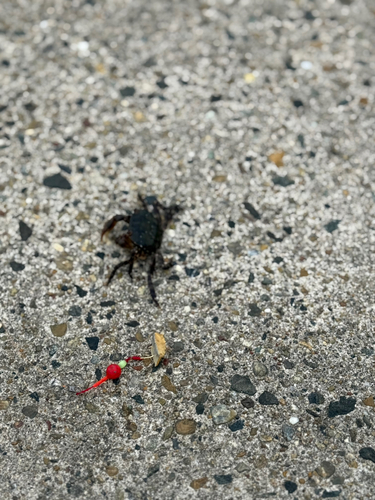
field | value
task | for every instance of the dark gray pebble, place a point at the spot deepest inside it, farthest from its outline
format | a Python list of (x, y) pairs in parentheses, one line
[(254, 310), (332, 225), (282, 181), (17, 266), (242, 383), (315, 398), (57, 181), (342, 407), (30, 411), (367, 454), (75, 311), (253, 211), (267, 398), (81, 292), (92, 342), (290, 486), (223, 478), (237, 425), (25, 231)]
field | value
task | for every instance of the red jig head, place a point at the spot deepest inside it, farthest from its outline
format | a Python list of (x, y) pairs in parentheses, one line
[(112, 373)]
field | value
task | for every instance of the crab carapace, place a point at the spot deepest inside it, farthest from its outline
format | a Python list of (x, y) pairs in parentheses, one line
[(143, 237)]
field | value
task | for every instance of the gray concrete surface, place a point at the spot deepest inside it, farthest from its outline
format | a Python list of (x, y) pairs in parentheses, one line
[(257, 117)]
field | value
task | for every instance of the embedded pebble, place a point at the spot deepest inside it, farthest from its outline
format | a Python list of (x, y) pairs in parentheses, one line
[(185, 426), (267, 398), (221, 414), (259, 369), (30, 411), (242, 383), (326, 469), (288, 432), (59, 330)]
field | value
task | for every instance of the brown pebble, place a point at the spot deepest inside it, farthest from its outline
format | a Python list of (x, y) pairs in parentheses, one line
[(112, 470), (139, 337), (18, 424), (172, 326), (196, 484), (167, 384), (4, 405), (59, 330), (185, 426), (369, 401)]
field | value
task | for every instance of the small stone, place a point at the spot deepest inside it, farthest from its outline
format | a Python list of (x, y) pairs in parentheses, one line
[(25, 231), (261, 462), (196, 484), (132, 324), (91, 408), (75, 311), (221, 414), (81, 292), (4, 405), (242, 467), (342, 407), (293, 420), (331, 494), (110, 303), (178, 347), (290, 486), (254, 310), (185, 426), (168, 432), (153, 470), (367, 454), (64, 263), (199, 409), (18, 424), (248, 403), (16, 266), (267, 398), (223, 478), (259, 369), (167, 384), (369, 401), (242, 383), (332, 225), (282, 181), (326, 469), (92, 342), (127, 91), (139, 337), (288, 432), (172, 326), (250, 208), (57, 181), (138, 399), (338, 480), (59, 330), (277, 158), (288, 365), (315, 398), (201, 398), (238, 425), (111, 470), (30, 411), (35, 396)]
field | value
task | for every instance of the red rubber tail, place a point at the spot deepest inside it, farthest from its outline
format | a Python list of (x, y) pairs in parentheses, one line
[(104, 379), (133, 358)]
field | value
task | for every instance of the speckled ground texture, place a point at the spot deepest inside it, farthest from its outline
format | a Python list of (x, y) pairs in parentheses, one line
[(257, 118)]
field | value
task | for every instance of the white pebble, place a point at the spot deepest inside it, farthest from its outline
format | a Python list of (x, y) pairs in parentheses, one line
[(306, 65), (294, 420)]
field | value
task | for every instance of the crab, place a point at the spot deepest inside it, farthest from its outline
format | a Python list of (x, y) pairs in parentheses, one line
[(143, 237)]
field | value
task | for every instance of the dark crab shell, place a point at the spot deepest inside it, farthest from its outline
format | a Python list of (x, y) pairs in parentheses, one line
[(145, 231)]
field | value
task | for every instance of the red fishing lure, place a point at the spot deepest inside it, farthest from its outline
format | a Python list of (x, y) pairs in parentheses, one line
[(113, 372)]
